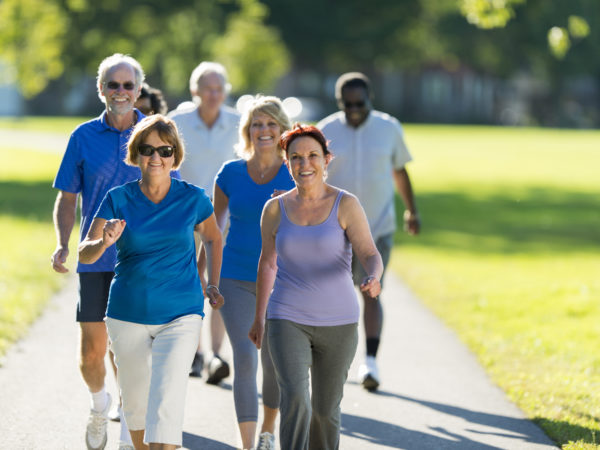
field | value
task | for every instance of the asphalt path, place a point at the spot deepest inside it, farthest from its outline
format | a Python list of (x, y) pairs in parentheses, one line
[(434, 394)]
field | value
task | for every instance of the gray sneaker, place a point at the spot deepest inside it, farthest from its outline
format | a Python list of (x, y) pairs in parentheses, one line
[(266, 441), (95, 433)]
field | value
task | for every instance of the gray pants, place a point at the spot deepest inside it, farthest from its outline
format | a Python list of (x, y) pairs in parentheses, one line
[(311, 423), (238, 315)]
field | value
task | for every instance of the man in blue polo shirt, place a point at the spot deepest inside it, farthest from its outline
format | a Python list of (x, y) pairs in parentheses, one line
[(93, 164)]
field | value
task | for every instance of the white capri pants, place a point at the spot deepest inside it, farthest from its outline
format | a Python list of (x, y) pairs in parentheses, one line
[(153, 364)]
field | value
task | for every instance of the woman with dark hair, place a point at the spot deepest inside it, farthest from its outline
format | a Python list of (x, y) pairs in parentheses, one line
[(155, 303), (305, 294)]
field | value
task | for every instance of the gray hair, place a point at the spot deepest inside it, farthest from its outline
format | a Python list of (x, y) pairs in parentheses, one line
[(113, 61), (205, 68)]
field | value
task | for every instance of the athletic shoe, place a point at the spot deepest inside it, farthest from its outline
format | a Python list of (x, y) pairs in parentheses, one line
[(125, 446), (197, 365), (114, 414), (266, 441), (368, 374), (217, 370), (95, 433)]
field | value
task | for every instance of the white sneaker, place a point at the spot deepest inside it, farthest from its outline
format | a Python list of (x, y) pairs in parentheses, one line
[(368, 374), (266, 441), (95, 433), (125, 446)]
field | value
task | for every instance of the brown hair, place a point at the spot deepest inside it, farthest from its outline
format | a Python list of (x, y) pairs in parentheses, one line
[(166, 129), (302, 130)]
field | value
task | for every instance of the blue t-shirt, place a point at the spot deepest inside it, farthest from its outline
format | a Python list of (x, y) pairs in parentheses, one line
[(93, 164), (246, 202), (156, 277)]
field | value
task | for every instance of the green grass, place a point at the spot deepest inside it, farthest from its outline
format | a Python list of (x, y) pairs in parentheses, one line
[(26, 278), (60, 125), (508, 257)]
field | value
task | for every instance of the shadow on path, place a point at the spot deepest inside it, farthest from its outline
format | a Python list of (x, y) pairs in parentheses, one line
[(193, 441), (392, 435)]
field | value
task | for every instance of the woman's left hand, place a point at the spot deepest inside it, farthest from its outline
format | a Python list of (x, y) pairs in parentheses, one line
[(371, 286), (215, 298)]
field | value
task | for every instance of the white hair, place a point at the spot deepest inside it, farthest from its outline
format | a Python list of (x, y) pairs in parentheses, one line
[(205, 68), (113, 61)]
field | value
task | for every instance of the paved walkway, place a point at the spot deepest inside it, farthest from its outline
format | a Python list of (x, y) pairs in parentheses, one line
[(434, 395)]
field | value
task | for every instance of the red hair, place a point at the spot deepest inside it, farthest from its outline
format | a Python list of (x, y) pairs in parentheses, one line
[(302, 130)]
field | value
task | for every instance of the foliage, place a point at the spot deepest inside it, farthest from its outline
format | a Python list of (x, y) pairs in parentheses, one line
[(32, 39), (168, 38), (251, 70), (507, 258)]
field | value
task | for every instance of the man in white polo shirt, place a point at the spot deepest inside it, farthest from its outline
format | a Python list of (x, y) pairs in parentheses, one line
[(369, 158), (209, 132)]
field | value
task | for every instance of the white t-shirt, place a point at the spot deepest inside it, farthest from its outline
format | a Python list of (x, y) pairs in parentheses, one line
[(364, 161), (206, 148)]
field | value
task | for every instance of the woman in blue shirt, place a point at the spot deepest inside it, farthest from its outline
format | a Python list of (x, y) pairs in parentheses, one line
[(155, 304), (242, 187)]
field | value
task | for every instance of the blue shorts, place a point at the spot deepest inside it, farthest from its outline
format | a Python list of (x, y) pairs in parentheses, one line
[(93, 295)]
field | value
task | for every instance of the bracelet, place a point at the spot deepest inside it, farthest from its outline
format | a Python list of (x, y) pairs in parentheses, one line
[(408, 215), (213, 286)]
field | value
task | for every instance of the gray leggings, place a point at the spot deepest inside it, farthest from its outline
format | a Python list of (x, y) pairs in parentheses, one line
[(311, 422), (238, 315)]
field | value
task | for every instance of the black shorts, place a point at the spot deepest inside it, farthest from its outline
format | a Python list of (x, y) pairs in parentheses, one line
[(93, 295)]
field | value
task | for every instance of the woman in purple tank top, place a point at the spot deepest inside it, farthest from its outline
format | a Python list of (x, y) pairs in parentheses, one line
[(305, 291)]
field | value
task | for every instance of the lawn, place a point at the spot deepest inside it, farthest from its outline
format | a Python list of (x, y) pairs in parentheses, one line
[(508, 257), (26, 277)]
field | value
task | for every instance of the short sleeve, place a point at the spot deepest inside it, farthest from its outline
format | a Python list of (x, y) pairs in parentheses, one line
[(106, 209), (205, 206), (69, 177), (401, 155), (221, 179)]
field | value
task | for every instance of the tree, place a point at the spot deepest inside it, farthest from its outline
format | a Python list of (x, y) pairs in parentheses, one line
[(32, 39)]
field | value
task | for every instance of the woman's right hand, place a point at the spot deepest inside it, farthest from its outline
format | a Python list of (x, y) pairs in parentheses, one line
[(256, 332), (112, 231), (215, 299)]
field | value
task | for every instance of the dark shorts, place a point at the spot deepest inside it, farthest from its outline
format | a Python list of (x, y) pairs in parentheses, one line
[(93, 295), (384, 245)]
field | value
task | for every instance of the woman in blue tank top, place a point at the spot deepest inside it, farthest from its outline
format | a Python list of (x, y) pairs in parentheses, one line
[(242, 187), (305, 291)]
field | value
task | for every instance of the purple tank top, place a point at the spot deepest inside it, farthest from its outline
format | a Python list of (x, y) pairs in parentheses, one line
[(314, 279)]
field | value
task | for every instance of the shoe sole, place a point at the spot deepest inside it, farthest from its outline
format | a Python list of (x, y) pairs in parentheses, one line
[(218, 375), (370, 383)]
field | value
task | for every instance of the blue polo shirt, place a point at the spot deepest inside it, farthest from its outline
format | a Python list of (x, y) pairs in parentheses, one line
[(92, 165), (246, 202), (156, 277)]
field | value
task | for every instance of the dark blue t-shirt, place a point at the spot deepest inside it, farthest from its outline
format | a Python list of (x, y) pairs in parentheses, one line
[(246, 202), (156, 277)]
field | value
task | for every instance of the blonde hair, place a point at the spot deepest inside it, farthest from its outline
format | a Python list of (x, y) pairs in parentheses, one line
[(268, 105), (166, 129)]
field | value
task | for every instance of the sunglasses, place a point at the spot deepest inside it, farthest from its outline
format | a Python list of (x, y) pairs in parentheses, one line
[(114, 85), (164, 151), (360, 104)]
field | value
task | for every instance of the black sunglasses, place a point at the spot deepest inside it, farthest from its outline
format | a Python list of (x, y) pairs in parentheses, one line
[(360, 104), (114, 85), (164, 151)]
